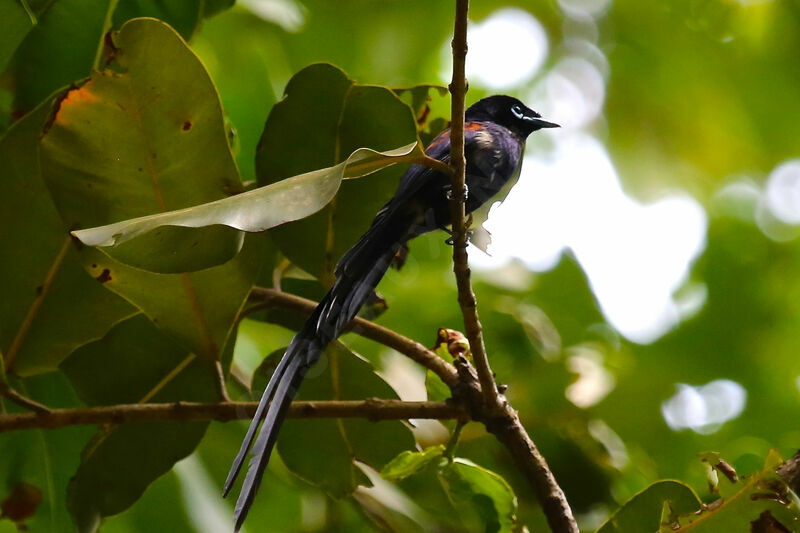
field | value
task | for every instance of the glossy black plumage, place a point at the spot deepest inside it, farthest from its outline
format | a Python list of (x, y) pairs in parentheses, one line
[(495, 132)]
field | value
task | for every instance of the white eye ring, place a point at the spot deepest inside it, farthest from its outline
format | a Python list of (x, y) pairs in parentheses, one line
[(516, 110)]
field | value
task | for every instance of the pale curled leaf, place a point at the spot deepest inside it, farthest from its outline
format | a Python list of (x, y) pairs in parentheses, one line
[(260, 209), (408, 463)]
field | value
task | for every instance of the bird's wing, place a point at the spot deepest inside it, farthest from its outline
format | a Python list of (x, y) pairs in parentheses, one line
[(418, 175)]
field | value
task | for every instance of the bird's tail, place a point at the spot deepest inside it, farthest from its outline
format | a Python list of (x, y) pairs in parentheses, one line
[(358, 273)]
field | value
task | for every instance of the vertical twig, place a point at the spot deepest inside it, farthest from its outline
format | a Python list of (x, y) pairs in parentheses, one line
[(466, 297), (498, 417)]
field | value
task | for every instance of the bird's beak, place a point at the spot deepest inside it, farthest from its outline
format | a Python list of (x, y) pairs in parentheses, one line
[(539, 123)]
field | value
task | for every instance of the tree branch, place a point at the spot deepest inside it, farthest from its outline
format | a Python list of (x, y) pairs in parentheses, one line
[(370, 409), (411, 349), (504, 423), (498, 416), (466, 297)]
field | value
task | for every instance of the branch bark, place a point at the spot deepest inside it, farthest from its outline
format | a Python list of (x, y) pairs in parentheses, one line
[(411, 349), (371, 409), (487, 406)]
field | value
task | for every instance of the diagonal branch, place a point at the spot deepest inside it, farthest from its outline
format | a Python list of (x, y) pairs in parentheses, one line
[(370, 409), (412, 349)]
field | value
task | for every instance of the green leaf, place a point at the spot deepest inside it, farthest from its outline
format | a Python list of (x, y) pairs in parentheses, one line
[(431, 108), (133, 363), (341, 375), (197, 308), (259, 209), (149, 139), (59, 50), (323, 116), (436, 389), (408, 463), (15, 23), (488, 494), (643, 511), (743, 503), (240, 54), (185, 16), (45, 459), (212, 7), (49, 305), (156, 506)]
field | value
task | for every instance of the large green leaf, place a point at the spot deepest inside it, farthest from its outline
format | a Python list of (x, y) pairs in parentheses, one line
[(198, 308), (15, 23), (59, 50), (148, 139), (158, 505), (133, 363), (323, 116), (44, 459), (482, 491), (744, 502), (643, 512), (339, 375), (49, 305)]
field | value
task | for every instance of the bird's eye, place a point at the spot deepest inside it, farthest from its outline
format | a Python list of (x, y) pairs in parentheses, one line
[(516, 110)]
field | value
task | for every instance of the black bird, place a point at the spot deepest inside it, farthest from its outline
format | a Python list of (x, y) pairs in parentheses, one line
[(495, 131)]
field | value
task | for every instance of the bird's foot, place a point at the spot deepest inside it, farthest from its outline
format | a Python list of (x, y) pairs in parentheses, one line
[(450, 194), (450, 241)]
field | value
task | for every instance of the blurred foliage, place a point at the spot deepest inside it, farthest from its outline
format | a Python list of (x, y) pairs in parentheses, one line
[(699, 93)]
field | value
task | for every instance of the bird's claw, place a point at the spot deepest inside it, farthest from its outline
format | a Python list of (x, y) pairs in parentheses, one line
[(450, 241), (464, 193)]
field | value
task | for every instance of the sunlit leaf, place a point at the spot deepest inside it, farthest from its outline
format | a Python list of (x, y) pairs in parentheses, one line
[(409, 463)]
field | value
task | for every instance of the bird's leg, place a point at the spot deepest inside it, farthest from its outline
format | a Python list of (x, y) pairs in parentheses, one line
[(451, 239)]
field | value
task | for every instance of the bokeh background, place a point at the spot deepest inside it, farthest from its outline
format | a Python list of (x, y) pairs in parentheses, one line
[(642, 297)]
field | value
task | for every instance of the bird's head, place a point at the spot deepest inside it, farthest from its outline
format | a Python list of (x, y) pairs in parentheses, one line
[(509, 112)]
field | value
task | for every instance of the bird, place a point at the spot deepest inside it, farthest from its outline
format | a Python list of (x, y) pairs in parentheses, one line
[(495, 131)]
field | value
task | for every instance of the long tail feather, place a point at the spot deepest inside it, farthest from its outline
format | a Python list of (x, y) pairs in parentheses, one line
[(359, 273)]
